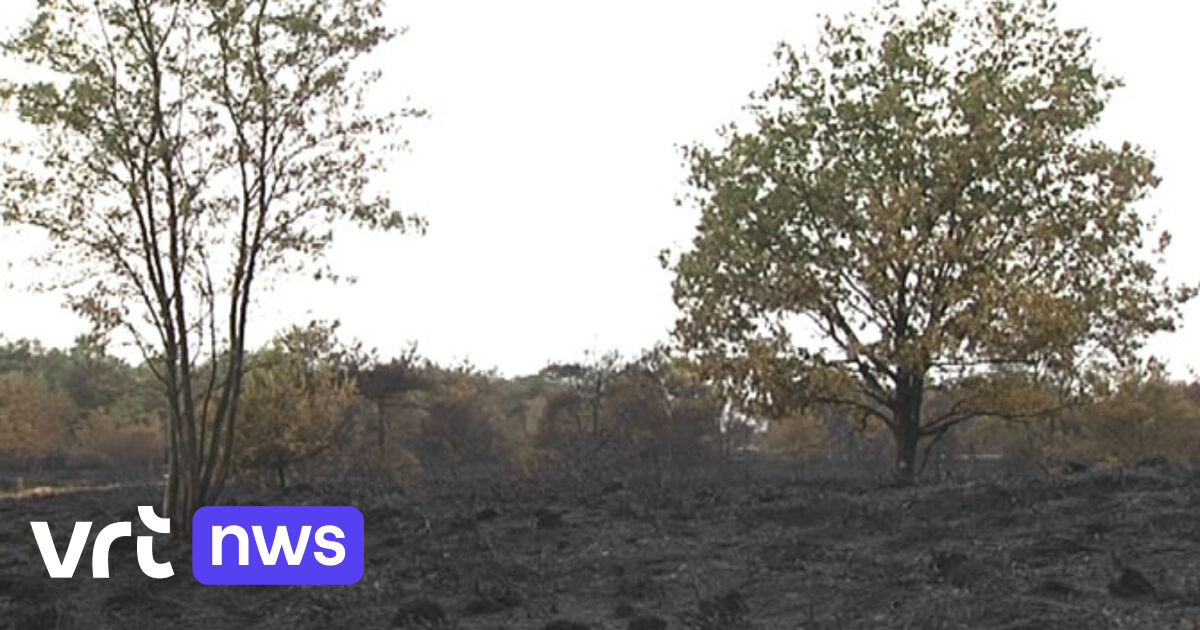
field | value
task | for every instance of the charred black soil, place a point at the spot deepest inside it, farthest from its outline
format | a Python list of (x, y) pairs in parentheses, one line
[(1115, 549)]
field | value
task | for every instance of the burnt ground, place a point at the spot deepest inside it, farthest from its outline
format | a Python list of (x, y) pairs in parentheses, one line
[(1116, 549)]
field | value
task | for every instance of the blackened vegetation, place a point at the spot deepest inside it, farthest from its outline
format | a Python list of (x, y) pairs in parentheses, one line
[(420, 613), (1100, 549), (728, 610), (565, 624), (1132, 584)]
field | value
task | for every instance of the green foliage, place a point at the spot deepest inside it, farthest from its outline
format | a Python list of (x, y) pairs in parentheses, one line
[(84, 374), (460, 423), (605, 414), (433, 422), (121, 440), (33, 419), (82, 403), (587, 419), (802, 436), (298, 399), (183, 151), (1145, 416), (922, 193)]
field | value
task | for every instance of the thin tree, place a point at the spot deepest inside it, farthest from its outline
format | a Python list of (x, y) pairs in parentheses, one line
[(184, 150)]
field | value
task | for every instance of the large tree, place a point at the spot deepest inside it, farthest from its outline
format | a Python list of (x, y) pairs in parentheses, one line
[(183, 150), (921, 201)]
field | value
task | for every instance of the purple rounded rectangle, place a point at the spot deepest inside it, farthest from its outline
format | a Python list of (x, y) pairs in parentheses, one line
[(309, 544)]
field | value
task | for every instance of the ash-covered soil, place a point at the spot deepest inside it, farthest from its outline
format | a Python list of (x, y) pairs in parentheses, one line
[(1117, 549)]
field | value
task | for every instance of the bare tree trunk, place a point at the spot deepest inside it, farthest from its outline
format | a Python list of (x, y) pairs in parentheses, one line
[(171, 490), (907, 430), (906, 451)]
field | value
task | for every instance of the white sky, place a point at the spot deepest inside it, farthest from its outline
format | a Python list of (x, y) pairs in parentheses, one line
[(548, 169)]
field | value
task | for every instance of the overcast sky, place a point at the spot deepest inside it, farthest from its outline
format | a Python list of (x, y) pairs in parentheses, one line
[(549, 166)]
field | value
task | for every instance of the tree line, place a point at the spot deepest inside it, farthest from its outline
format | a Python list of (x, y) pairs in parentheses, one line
[(316, 408)]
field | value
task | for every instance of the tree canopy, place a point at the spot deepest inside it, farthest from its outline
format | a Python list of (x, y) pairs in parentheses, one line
[(921, 201)]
